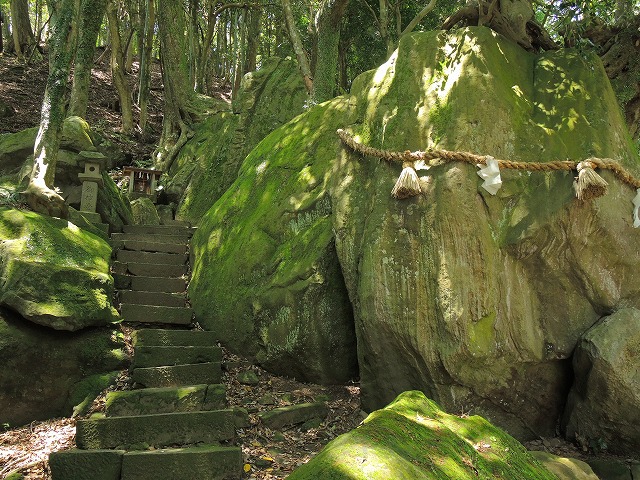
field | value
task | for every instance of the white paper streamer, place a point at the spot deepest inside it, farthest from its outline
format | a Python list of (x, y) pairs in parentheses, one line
[(491, 175), (636, 209)]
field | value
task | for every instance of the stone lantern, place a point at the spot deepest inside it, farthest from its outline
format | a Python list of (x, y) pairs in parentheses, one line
[(91, 179)]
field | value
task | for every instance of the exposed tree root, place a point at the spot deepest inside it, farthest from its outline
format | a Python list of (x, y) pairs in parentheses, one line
[(45, 201)]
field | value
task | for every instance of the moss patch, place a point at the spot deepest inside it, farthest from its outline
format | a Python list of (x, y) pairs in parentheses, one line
[(412, 438)]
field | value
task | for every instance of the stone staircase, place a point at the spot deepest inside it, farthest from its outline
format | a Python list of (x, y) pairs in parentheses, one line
[(174, 424)]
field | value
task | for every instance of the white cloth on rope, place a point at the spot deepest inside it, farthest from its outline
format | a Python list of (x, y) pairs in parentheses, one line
[(490, 174), (636, 209)]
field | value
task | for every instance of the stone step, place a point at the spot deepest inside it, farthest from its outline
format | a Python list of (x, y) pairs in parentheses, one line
[(151, 245), (202, 462), (132, 256), (75, 464), (152, 298), (139, 432), (156, 314), (159, 230), (149, 269), (178, 239), (159, 337), (165, 400), (149, 284), (153, 356), (178, 375)]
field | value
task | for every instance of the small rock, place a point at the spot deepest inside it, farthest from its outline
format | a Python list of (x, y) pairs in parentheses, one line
[(293, 414), (311, 424), (248, 378), (278, 437), (267, 399)]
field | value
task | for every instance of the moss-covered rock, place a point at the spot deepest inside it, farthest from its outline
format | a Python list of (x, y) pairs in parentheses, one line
[(144, 212), (14, 149), (209, 162), (277, 275), (477, 300), (42, 368), (54, 273), (565, 468), (412, 438)]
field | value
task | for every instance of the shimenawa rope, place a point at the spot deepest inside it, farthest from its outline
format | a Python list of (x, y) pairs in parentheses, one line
[(588, 185)]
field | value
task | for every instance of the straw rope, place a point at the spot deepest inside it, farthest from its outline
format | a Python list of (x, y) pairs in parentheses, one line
[(455, 156)]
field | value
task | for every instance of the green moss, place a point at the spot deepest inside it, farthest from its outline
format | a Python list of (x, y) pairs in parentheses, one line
[(412, 438), (87, 390)]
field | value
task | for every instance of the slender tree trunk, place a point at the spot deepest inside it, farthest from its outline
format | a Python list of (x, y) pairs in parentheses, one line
[(328, 29), (1, 31), (178, 94), (91, 14), (40, 194), (238, 46), (296, 42), (23, 37), (145, 64), (253, 36), (118, 68)]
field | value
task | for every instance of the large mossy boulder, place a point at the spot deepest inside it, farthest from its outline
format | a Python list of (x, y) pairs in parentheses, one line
[(46, 373), (602, 412), (209, 163), (413, 439), (53, 273), (477, 300)]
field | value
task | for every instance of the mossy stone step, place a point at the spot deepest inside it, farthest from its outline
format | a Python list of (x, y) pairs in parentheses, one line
[(149, 284), (139, 432), (202, 462), (119, 238), (156, 314), (147, 401), (132, 256), (78, 464), (178, 375), (152, 298), (154, 356), (151, 245), (149, 269), (159, 230), (160, 337)]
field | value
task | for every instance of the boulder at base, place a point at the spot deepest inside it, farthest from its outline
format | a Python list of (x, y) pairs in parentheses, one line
[(54, 273), (602, 412), (43, 370), (477, 300), (144, 212), (413, 439)]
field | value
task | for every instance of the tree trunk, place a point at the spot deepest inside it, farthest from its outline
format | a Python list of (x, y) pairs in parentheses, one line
[(253, 37), (23, 37), (178, 94), (1, 31), (118, 69), (296, 42), (40, 194), (145, 64), (328, 30), (239, 33), (91, 14)]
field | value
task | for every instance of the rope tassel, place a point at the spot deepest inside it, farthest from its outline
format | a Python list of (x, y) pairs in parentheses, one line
[(408, 185), (589, 184)]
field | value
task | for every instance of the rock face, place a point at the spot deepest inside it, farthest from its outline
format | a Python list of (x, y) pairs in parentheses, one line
[(413, 438), (208, 164), (53, 273), (602, 412), (42, 369), (477, 300)]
